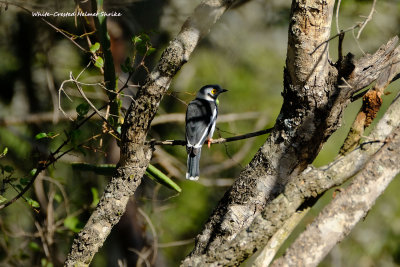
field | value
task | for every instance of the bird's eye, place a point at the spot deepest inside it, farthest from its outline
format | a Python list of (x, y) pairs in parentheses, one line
[(213, 91)]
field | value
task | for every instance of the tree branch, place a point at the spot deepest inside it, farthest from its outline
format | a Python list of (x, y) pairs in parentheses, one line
[(314, 100), (339, 217), (295, 140), (310, 184), (214, 141)]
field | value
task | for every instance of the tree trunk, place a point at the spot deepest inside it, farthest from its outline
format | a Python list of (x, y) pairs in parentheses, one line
[(316, 92)]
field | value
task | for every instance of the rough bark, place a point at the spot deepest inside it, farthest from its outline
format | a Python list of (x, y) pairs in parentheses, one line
[(337, 219), (135, 155), (274, 244), (315, 96), (303, 190), (296, 127)]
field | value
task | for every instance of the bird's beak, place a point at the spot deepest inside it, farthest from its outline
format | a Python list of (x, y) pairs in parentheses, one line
[(224, 90)]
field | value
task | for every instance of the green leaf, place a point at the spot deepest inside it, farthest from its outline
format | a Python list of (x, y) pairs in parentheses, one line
[(19, 187), (45, 135), (82, 109), (151, 50), (5, 151), (33, 172), (142, 44), (40, 136), (24, 181), (73, 224), (145, 37), (128, 61), (127, 66), (34, 246), (99, 62), (32, 203), (161, 178), (124, 68), (58, 198), (46, 263), (141, 48), (95, 195), (94, 47), (8, 169), (103, 169), (2, 199), (136, 40), (75, 136)]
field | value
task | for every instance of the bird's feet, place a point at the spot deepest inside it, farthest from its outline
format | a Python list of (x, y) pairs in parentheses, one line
[(209, 142)]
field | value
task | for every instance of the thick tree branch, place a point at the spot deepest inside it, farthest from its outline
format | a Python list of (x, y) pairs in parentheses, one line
[(296, 139), (276, 241), (310, 184), (372, 102), (315, 96), (135, 155), (337, 219)]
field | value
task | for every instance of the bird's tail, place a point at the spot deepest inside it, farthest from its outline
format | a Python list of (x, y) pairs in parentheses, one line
[(193, 164)]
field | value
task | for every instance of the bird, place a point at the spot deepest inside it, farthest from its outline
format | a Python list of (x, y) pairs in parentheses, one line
[(201, 115)]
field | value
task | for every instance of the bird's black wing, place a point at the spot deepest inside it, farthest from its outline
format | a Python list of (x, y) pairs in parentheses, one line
[(199, 116)]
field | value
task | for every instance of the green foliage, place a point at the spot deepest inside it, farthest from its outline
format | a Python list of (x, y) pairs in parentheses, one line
[(95, 196), (58, 198), (94, 47), (45, 135), (33, 203), (5, 151), (82, 109), (127, 66), (34, 246), (109, 169), (102, 169), (158, 176), (73, 223), (7, 168), (99, 62), (33, 172), (46, 263), (76, 137), (24, 181), (143, 44), (40, 136), (3, 199)]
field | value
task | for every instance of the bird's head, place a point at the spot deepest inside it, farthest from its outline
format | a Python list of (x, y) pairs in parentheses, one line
[(210, 92)]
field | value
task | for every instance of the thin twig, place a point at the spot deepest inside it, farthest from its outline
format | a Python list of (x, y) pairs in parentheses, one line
[(154, 233), (176, 243), (91, 104), (368, 19), (215, 141), (336, 35), (42, 166), (337, 16), (357, 42), (141, 256), (48, 23)]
